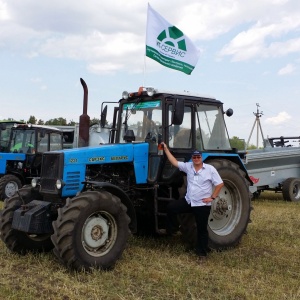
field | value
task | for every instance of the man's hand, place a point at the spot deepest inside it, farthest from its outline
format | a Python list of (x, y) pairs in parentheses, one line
[(207, 200), (171, 158)]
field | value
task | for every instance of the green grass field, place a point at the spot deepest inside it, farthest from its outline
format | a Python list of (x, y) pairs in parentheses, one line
[(264, 266)]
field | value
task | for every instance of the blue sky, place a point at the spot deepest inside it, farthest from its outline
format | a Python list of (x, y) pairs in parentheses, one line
[(249, 53)]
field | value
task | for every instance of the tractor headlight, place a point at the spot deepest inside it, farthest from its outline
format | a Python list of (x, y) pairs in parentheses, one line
[(34, 182), (150, 91), (125, 95), (58, 184)]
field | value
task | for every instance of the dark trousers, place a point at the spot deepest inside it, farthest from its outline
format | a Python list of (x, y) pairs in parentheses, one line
[(201, 214)]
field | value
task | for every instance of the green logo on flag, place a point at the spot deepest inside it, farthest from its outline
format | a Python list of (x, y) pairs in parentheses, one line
[(173, 37)]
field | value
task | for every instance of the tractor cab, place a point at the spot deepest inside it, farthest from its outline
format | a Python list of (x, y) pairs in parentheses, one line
[(184, 121), (32, 139)]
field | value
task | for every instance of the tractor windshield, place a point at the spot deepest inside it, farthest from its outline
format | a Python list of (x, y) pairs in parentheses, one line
[(142, 120), (212, 126), (23, 141)]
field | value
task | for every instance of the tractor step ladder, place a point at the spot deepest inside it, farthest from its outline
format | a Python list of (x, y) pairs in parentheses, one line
[(157, 212)]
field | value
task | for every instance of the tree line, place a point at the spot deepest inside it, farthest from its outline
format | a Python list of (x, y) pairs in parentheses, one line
[(56, 121)]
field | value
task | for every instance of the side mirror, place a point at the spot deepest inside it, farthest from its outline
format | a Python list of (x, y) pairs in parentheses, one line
[(178, 111), (229, 112), (103, 116)]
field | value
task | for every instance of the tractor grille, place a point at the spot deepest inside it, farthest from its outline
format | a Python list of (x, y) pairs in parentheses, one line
[(51, 171), (48, 185)]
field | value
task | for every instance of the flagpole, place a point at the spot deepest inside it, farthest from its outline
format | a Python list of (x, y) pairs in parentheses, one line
[(144, 71)]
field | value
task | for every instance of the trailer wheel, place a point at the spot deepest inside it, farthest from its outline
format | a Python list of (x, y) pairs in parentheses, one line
[(230, 212), (291, 189), (9, 185), (91, 231), (15, 240)]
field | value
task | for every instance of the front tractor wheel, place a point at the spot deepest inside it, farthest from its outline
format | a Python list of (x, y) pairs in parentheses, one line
[(91, 231), (230, 212), (9, 185), (15, 240)]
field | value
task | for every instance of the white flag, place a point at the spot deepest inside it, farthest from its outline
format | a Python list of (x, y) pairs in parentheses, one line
[(168, 45)]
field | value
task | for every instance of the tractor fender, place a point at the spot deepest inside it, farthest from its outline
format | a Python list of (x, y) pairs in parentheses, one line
[(115, 190), (17, 174), (235, 158)]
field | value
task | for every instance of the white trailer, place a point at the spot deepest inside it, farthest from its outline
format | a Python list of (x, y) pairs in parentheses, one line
[(276, 167)]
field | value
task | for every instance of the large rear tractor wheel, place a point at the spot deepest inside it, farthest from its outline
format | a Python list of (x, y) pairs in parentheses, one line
[(9, 185), (15, 240), (230, 212), (91, 231), (291, 189)]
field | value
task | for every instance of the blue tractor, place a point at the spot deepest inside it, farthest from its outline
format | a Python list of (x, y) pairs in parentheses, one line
[(21, 158), (87, 201)]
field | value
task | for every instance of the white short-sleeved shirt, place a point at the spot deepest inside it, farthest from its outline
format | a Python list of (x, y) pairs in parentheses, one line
[(199, 184)]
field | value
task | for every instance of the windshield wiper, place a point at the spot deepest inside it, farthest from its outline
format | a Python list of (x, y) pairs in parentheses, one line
[(128, 114)]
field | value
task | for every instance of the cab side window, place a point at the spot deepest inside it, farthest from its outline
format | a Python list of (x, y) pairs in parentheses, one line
[(180, 136)]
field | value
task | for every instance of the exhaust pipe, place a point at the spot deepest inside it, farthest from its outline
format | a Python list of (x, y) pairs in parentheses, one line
[(84, 119)]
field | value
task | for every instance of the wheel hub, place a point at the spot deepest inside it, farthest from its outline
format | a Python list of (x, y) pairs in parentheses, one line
[(296, 191), (220, 208), (10, 189), (95, 232)]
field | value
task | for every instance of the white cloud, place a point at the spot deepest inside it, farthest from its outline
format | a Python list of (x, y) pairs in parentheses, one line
[(269, 36), (209, 19), (4, 14), (278, 49), (114, 31), (288, 69), (281, 118)]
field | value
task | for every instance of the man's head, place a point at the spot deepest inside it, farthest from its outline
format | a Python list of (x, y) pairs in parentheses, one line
[(197, 157)]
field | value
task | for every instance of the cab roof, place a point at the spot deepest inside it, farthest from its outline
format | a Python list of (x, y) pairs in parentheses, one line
[(34, 126), (153, 92)]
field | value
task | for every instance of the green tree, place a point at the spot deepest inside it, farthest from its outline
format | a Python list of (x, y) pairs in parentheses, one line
[(94, 121), (32, 120), (240, 144), (72, 123), (252, 147), (57, 121), (40, 122), (237, 143)]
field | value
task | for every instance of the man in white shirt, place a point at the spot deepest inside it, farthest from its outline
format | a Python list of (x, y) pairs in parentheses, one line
[(201, 178)]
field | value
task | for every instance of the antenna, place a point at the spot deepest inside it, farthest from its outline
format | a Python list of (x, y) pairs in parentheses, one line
[(258, 115)]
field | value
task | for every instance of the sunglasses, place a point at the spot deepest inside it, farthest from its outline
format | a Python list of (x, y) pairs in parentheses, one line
[(196, 156)]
